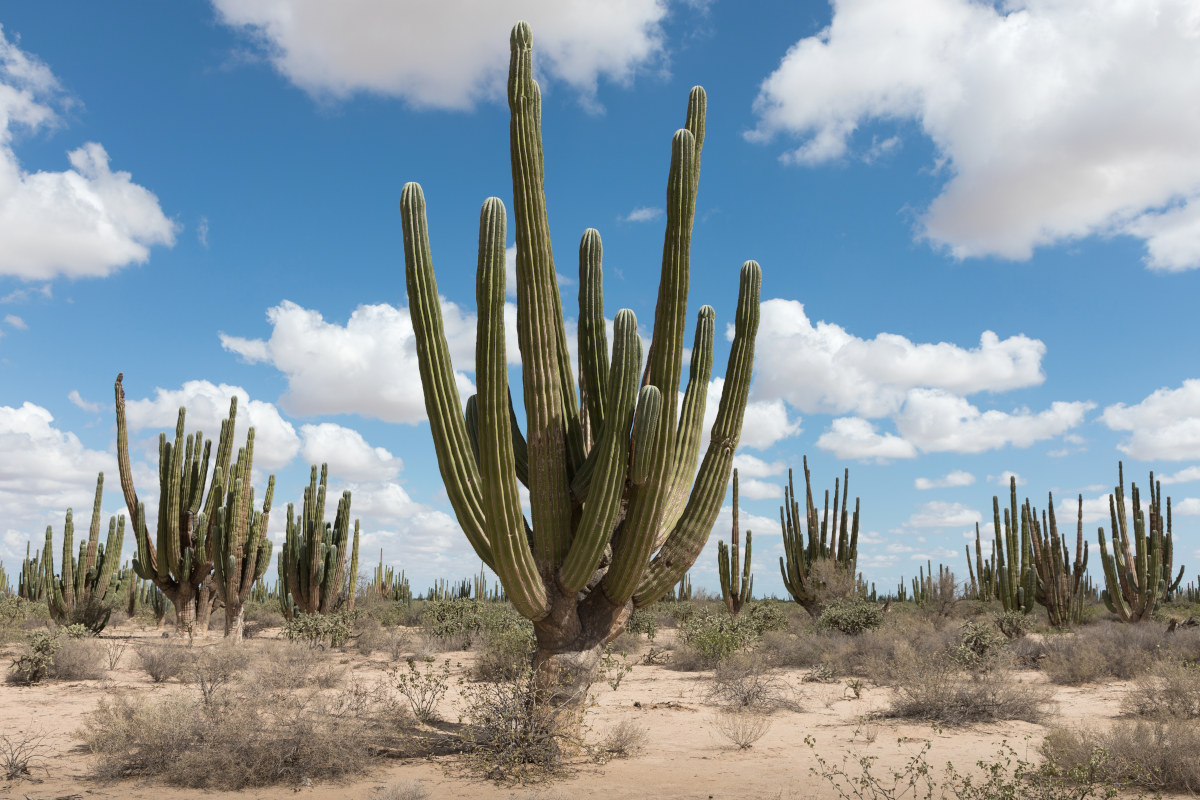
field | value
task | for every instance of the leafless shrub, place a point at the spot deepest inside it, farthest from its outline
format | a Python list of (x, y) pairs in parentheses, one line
[(742, 727), (745, 681), (934, 688), (114, 649), (19, 753), (1159, 755), (623, 740), (1073, 661), (1168, 690), (212, 668), (162, 661), (78, 660), (408, 790)]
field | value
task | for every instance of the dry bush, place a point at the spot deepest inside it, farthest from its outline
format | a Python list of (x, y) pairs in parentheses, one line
[(1071, 661), (423, 689), (1128, 649), (623, 740), (408, 790), (19, 753), (370, 636), (79, 660), (1159, 755), (744, 681), (1183, 645), (1167, 690), (509, 737), (742, 727), (933, 687), (504, 653), (1029, 652), (162, 661), (212, 668), (114, 649)]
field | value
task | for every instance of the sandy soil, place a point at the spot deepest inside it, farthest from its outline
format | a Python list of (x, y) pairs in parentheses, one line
[(684, 756)]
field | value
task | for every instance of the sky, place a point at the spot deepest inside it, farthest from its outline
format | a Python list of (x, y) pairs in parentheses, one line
[(978, 224)]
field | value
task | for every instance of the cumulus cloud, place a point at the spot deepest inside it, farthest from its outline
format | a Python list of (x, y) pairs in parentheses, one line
[(448, 54), (642, 214), (207, 404), (1163, 426), (764, 423), (853, 437), (1186, 475), (347, 453), (1052, 119), (950, 480), (1188, 507), (1005, 478), (936, 421), (13, 321), (822, 368), (85, 221), (77, 400), (940, 514)]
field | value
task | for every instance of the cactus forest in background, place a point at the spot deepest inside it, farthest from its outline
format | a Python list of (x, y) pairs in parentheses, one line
[(608, 470)]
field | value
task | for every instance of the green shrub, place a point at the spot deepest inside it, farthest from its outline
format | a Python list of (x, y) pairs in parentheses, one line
[(461, 616), (30, 667), (716, 636), (1013, 624), (979, 646), (319, 630), (643, 621), (850, 615), (766, 617), (505, 652)]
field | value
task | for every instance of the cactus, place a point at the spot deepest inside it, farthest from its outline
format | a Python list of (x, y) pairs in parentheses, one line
[(6, 589), (1016, 579), (1060, 588), (682, 592), (179, 560), (983, 574), (387, 585), (1138, 574), (736, 590), (86, 592), (831, 551), (241, 550), (613, 525), (31, 583), (312, 564)]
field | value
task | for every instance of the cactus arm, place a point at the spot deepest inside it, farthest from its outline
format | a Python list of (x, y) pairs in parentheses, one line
[(86, 573), (132, 506), (353, 582), (690, 533), (593, 338), (691, 420), (456, 460), (732, 564), (646, 422), (747, 579), (609, 459), (514, 562)]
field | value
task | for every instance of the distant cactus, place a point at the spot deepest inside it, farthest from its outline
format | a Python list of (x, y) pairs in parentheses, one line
[(312, 564), (736, 589), (6, 588), (983, 584), (86, 592), (683, 590), (32, 582), (828, 555), (386, 584), (1016, 578), (1060, 587), (1138, 572)]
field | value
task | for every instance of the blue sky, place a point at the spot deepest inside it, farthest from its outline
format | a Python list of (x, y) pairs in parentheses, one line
[(979, 227)]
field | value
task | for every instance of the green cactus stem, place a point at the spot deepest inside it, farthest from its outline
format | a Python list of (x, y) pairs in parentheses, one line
[(815, 569), (984, 585), (85, 594), (312, 564), (1137, 574), (32, 582), (616, 517), (736, 589), (386, 584), (1060, 587), (1016, 578)]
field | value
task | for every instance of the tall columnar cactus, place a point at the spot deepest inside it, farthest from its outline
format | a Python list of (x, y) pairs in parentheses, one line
[(6, 588), (240, 547), (86, 592), (386, 584), (608, 470), (31, 583), (1060, 588), (983, 574), (1016, 578), (179, 559), (312, 565), (1138, 572), (831, 550), (735, 589)]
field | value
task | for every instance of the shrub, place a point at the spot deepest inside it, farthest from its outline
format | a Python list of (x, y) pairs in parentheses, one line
[(1074, 661), (622, 740), (1167, 690), (744, 681), (447, 618), (1159, 755), (31, 666), (1013, 624), (162, 661), (319, 630), (851, 615), (506, 652), (743, 727), (211, 668), (422, 690), (979, 646), (767, 617), (643, 621), (18, 754), (79, 660), (715, 636), (509, 736)]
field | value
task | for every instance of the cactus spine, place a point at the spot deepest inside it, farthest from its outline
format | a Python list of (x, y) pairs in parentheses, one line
[(179, 560), (240, 547), (312, 565), (82, 594), (1016, 578), (1138, 573), (831, 547), (1060, 588), (613, 524), (735, 589)]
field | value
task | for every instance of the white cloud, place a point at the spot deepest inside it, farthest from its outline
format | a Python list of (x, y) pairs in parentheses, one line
[(448, 54), (940, 514), (77, 400), (952, 479), (86, 221), (761, 526), (1053, 119), (1165, 425), (764, 423), (1004, 478), (349, 456), (822, 368), (749, 466), (755, 489), (642, 214), (275, 440), (1187, 475), (28, 293), (16, 322), (1187, 507), (936, 421), (852, 437)]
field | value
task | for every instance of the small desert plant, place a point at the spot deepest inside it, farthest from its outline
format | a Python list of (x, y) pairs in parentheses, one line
[(744, 681), (643, 621), (933, 687), (113, 650), (1159, 755), (717, 636), (212, 668), (162, 661), (510, 737), (1013, 624), (78, 660), (409, 790), (743, 727), (622, 740), (505, 652), (32, 666), (319, 630), (1072, 661), (1167, 690), (422, 689), (19, 752), (979, 646), (851, 615)]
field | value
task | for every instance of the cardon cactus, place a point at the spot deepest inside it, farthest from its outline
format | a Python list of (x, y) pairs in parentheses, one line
[(1060, 588), (608, 470), (86, 591), (1016, 578), (830, 553), (736, 589), (240, 547), (32, 582), (983, 574), (1137, 574), (312, 564), (179, 559)]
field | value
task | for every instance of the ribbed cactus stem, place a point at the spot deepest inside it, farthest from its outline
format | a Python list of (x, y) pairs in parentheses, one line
[(85, 592), (829, 546), (311, 565), (736, 589)]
